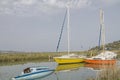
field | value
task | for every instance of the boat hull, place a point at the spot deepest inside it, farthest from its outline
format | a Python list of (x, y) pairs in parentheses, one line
[(34, 75), (68, 60), (100, 61)]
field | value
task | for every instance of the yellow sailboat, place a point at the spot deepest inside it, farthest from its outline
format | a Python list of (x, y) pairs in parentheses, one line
[(69, 58)]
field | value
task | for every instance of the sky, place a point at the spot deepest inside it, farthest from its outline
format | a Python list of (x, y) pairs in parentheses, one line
[(35, 25)]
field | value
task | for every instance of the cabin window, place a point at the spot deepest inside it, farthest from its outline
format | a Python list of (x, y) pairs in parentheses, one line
[(97, 58)]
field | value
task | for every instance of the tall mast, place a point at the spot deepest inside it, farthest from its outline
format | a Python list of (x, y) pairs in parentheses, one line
[(68, 27), (102, 28)]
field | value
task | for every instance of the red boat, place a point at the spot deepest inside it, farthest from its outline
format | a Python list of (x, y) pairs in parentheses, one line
[(106, 57)]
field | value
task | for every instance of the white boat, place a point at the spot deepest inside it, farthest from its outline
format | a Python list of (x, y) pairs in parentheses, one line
[(106, 57), (34, 73)]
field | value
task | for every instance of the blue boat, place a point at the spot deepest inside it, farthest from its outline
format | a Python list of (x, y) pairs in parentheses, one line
[(32, 73)]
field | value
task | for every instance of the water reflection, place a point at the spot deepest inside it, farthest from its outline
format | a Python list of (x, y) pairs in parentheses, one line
[(73, 72), (79, 71), (98, 66), (65, 68), (69, 67)]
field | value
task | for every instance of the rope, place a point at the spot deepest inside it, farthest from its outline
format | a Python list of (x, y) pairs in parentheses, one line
[(61, 32)]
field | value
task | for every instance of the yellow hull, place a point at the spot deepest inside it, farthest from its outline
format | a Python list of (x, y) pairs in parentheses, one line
[(68, 60)]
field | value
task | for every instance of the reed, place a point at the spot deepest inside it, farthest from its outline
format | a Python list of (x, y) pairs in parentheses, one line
[(112, 73), (40, 56), (24, 56), (15, 57)]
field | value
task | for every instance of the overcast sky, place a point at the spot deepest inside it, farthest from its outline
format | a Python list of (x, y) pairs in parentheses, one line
[(34, 25)]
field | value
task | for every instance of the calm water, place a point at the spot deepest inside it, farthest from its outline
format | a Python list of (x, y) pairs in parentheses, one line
[(62, 72)]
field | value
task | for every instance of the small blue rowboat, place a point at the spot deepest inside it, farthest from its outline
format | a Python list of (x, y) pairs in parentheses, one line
[(33, 73)]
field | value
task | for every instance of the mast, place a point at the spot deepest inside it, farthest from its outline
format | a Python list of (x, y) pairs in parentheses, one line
[(99, 42), (102, 28), (68, 28)]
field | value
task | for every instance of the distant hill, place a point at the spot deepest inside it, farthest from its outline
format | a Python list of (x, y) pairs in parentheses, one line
[(110, 46)]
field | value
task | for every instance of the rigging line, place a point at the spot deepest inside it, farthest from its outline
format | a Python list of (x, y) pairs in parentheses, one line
[(61, 32)]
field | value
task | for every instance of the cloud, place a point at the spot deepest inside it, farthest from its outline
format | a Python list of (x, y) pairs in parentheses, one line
[(35, 7), (63, 3), (21, 7)]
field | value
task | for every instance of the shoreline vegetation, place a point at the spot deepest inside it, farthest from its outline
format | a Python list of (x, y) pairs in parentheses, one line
[(21, 57)]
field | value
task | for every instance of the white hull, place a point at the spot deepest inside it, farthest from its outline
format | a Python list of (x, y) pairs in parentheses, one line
[(34, 75)]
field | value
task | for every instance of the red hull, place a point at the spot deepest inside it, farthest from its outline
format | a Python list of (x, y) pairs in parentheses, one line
[(91, 61)]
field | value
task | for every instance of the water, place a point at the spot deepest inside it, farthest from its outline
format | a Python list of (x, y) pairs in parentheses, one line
[(62, 72)]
